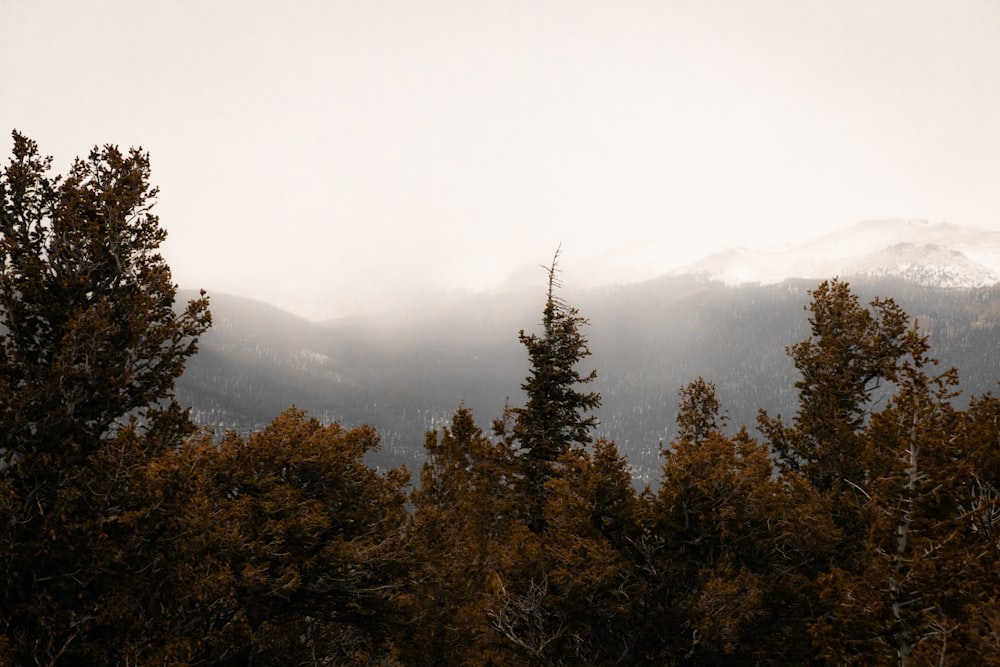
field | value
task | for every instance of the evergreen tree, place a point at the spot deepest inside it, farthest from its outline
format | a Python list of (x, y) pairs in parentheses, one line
[(700, 412), (87, 303), (908, 598), (290, 552), (731, 549), (553, 419), (91, 346), (979, 501), (462, 516), (851, 352), (563, 596)]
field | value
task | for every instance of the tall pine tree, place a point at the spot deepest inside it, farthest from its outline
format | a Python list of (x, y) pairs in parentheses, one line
[(554, 420)]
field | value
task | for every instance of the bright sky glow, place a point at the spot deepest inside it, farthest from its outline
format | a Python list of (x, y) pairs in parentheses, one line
[(337, 157)]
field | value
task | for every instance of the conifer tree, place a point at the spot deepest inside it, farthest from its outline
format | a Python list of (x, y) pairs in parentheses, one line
[(700, 412), (907, 599), (90, 349), (291, 548), (462, 515), (554, 419), (979, 501), (563, 596), (851, 352), (735, 547), (86, 302)]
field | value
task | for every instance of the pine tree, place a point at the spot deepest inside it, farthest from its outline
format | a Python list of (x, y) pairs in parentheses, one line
[(87, 304), (700, 412), (284, 548), (908, 598), (735, 546), (91, 347), (851, 352), (553, 420), (462, 515), (563, 596)]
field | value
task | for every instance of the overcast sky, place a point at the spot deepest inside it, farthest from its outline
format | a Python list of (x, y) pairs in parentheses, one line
[(330, 157)]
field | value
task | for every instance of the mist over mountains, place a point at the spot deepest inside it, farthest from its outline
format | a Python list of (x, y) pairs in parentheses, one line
[(931, 254), (407, 371)]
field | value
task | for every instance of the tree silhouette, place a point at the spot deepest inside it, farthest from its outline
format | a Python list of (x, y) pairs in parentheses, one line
[(553, 419), (91, 346)]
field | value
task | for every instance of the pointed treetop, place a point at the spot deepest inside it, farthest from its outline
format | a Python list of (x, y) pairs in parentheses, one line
[(553, 271)]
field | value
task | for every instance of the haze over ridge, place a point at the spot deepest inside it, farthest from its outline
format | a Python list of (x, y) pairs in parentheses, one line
[(337, 158)]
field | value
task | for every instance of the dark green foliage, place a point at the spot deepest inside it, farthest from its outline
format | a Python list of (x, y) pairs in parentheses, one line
[(552, 421), (90, 351), (86, 302), (851, 353), (296, 546), (564, 596), (735, 546), (700, 412), (463, 514)]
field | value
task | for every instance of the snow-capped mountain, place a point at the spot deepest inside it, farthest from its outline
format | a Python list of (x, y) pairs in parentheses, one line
[(931, 254)]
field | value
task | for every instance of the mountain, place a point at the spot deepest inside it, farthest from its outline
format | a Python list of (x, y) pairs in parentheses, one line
[(931, 254), (408, 373), (728, 318)]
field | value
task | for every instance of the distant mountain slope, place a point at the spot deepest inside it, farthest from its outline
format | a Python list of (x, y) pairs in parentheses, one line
[(932, 254), (408, 373)]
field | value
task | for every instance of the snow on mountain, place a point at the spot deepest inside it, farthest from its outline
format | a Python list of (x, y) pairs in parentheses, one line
[(929, 264), (932, 254)]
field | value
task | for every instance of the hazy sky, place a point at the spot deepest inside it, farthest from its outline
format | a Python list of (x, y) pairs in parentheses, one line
[(332, 156)]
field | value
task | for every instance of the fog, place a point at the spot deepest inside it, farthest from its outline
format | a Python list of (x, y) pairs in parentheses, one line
[(336, 158)]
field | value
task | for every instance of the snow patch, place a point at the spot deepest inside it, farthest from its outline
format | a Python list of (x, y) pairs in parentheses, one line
[(931, 254)]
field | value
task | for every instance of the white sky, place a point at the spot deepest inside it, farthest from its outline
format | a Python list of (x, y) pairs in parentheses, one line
[(329, 157)]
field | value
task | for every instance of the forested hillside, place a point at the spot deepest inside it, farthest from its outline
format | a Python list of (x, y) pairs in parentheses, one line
[(406, 372), (861, 526)]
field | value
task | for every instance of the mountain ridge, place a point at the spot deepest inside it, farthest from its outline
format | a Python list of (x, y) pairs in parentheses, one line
[(930, 254), (407, 371), (648, 340)]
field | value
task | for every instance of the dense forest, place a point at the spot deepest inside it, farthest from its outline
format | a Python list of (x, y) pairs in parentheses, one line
[(854, 532)]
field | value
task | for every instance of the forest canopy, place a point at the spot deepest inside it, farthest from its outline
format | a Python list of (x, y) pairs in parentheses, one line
[(854, 531)]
